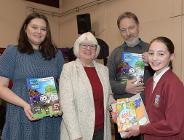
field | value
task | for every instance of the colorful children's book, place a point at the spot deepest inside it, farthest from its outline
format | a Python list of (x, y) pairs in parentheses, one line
[(129, 111), (43, 97), (133, 67)]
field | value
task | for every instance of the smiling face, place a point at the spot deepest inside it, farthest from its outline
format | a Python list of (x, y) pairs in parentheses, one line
[(36, 32), (158, 56), (129, 30), (87, 51)]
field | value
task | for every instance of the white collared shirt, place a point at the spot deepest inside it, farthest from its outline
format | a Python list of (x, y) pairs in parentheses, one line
[(156, 77)]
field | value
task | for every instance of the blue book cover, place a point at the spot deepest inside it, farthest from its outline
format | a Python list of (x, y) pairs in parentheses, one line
[(43, 97), (133, 67)]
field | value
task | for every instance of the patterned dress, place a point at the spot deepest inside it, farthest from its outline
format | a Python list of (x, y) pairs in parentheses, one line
[(17, 67)]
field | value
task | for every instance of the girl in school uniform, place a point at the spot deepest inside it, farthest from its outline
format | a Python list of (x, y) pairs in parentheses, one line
[(164, 96)]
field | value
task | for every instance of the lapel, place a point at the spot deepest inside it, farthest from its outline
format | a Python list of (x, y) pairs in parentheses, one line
[(151, 95), (102, 78), (86, 83), (155, 95), (83, 79)]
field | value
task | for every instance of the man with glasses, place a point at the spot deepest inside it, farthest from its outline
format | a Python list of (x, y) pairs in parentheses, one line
[(128, 25)]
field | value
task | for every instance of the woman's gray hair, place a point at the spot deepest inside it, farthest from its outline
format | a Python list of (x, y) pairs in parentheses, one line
[(87, 37)]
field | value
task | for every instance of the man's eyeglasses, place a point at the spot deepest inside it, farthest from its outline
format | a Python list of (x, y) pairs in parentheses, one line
[(88, 46)]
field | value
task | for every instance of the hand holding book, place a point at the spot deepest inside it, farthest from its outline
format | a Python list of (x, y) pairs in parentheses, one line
[(133, 131), (129, 132), (43, 97), (129, 113), (133, 88), (28, 112), (131, 72)]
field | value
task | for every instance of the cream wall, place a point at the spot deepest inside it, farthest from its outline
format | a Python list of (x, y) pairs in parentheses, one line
[(12, 15), (158, 17)]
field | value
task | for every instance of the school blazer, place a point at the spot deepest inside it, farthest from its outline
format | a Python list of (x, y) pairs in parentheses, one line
[(76, 99)]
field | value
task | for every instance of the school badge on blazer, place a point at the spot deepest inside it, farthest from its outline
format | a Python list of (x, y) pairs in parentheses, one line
[(157, 100)]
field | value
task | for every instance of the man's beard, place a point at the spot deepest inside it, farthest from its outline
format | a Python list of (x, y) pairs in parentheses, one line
[(132, 42)]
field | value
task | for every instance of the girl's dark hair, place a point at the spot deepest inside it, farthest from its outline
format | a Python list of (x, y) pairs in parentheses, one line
[(168, 43), (47, 48), (127, 15)]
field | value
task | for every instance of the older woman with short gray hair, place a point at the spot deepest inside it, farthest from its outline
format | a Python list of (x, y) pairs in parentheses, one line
[(84, 94)]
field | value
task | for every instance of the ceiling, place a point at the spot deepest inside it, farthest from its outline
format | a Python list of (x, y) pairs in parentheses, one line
[(53, 3)]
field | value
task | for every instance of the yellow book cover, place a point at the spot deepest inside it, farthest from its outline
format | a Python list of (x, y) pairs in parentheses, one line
[(131, 111)]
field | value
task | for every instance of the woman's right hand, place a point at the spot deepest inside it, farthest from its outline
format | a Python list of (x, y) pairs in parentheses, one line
[(114, 116), (28, 112), (113, 113)]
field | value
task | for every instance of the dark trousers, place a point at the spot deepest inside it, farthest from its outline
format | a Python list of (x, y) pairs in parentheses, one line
[(118, 136), (98, 134)]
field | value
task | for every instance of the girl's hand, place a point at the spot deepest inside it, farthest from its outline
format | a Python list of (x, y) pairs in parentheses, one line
[(133, 131)]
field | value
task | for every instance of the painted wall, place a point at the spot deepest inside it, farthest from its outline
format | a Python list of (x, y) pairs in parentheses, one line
[(12, 15), (157, 18)]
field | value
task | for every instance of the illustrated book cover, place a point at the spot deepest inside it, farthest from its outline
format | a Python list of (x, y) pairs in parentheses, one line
[(132, 67), (129, 112), (43, 97)]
